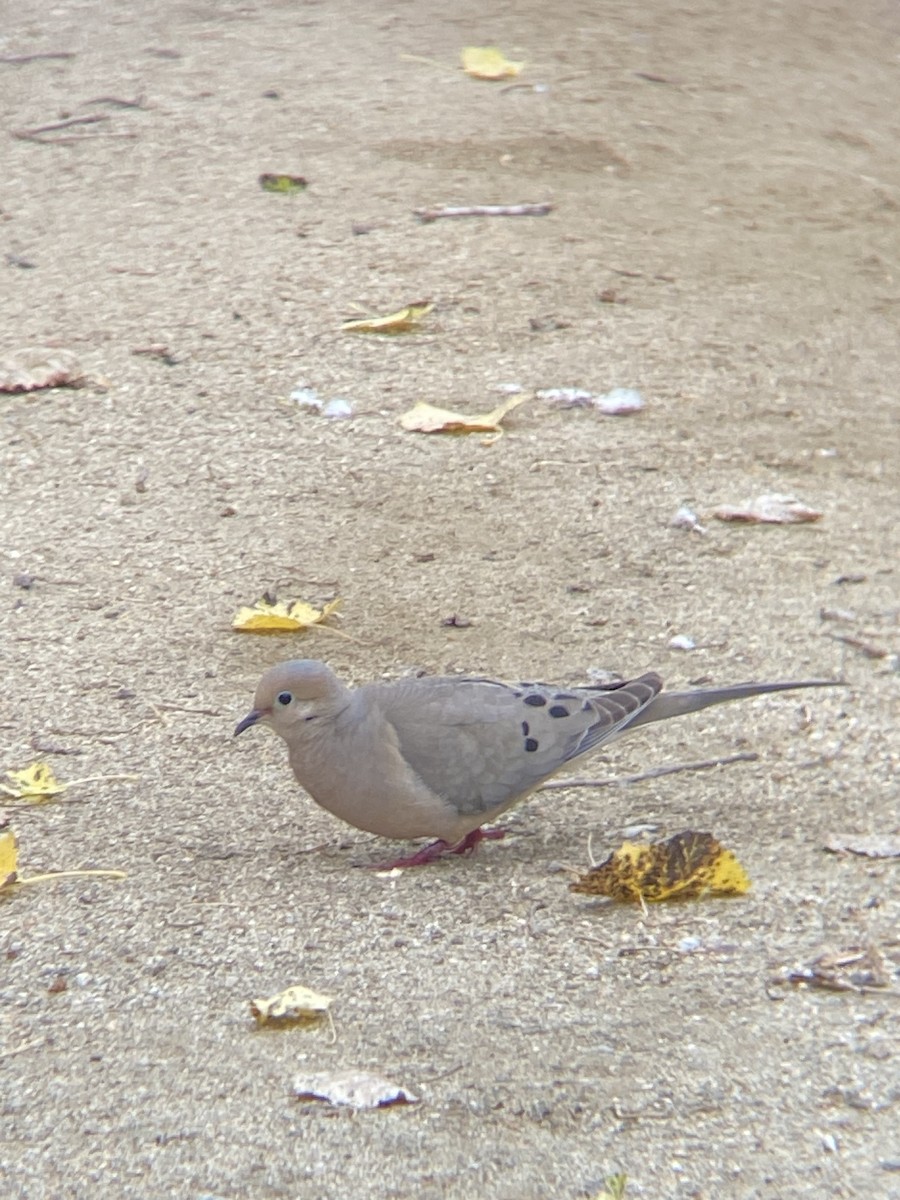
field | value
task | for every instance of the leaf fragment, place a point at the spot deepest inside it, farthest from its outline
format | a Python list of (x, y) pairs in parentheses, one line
[(294, 1006), (36, 782), (683, 867), (285, 184), (405, 320), (854, 969), (353, 1089), (772, 509), (874, 846), (428, 418), (487, 62), (8, 858), (278, 617), (35, 367)]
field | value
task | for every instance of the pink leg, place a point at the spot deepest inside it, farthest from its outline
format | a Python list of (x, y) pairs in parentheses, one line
[(440, 849)]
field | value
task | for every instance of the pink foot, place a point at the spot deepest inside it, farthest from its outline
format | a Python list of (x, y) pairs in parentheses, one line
[(440, 849)]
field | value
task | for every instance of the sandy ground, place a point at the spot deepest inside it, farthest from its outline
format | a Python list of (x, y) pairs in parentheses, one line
[(725, 240)]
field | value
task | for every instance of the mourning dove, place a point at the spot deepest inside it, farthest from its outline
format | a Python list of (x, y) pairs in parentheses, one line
[(440, 756)]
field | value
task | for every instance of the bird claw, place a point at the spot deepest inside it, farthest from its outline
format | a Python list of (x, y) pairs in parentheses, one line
[(440, 849)]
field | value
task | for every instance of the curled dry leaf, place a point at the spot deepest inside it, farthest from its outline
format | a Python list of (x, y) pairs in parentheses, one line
[(427, 418), (856, 969), (487, 62), (683, 867), (403, 321), (36, 782), (36, 367), (279, 617), (772, 509), (875, 846), (353, 1089), (294, 1006)]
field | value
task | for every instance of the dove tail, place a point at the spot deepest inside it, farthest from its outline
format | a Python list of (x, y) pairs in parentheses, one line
[(679, 704)]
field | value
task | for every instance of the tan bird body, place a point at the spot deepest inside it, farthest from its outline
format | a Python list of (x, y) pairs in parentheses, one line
[(440, 756)]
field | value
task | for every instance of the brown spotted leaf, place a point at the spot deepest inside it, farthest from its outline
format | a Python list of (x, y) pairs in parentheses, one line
[(683, 867)]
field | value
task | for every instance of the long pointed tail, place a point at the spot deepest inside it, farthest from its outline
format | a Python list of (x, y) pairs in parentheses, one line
[(678, 704)]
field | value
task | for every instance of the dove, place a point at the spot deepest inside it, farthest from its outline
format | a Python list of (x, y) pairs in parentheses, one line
[(440, 756)]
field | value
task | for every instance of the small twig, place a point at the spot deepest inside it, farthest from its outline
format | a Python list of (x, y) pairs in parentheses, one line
[(427, 215), (654, 773), (869, 649), (16, 60), (167, 706), (72, 875), (442, 1074), (31, 135), (116, 102)]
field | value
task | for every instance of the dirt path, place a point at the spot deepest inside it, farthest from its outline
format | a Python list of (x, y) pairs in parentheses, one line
[(724, 239)]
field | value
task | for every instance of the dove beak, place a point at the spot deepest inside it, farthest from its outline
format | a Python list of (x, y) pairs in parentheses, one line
[(252, 718)]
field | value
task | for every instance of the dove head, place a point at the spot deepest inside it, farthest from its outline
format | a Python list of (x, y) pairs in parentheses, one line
[(293, 693)]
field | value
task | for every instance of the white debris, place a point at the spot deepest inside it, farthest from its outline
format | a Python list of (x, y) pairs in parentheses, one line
[(682, 642), (686, 518), (338, 409), (616, 403), (307, 399)]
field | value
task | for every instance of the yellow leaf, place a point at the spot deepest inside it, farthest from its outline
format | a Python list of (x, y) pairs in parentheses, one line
[(684, 867), (282, 183), (293, 1006), (487, 62), (426, 418), (403, 321), (280, 617), (8, 858), (36, 782)]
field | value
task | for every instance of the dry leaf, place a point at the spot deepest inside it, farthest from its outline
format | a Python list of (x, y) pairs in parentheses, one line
[(293, 1006), (773, 509), (282, 183), (871, 847), (487, 62), (403, 321), (36, 782), (279, 617), (36, 367), (8, 858), (427, 418), (356, 1089), (683, 867), (856, 969)]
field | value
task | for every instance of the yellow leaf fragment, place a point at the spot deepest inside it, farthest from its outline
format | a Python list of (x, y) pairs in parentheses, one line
[(427, 418), (282, 183), (36, 782), (278, 617), (8, 858), (683, 867), (613, 1187), (487, 62), (402, 321), (294, 1006)]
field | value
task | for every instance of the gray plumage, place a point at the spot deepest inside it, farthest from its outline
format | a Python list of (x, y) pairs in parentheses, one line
[(440, 756)]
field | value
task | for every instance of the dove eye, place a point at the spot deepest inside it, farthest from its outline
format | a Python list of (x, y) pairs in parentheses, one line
[(284, 698)]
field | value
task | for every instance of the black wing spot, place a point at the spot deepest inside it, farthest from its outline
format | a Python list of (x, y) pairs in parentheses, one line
[(536, 700), (564, 696), (524, 729), (531, 744), (587, 706), (559, 710)]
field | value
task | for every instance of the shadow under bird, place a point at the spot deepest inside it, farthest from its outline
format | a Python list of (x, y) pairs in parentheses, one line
[(441, 756)]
